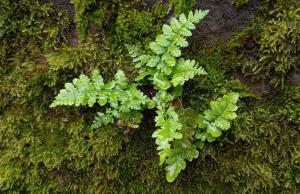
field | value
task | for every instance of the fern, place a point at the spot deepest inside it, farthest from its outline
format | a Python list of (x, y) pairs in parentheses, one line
[(180, 132), (121, 97), (195, 130), (163, 64), (165, 67), (168, 126), (218, 117), (181, 149)]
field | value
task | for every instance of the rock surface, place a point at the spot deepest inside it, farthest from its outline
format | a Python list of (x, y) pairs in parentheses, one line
[(223, 20)]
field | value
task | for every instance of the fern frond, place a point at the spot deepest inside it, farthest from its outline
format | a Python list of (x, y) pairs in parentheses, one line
[(169, 128), (121, 97), (80, 92), (218, 117), (181, 149), (162, 64), (185, 70)]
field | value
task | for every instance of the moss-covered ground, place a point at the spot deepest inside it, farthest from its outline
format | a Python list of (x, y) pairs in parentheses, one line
[(45, 150)]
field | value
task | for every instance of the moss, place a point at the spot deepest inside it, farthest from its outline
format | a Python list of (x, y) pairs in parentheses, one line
[(123, 19), (135, 23), (81, 16), (260, 152), (240, 3), (291, 101), (99, 15), (240, 54), (269, 47), (86, 56), (21, 21), (181, 6), (47, 150), (132, 25), (279, 42), (202, 89)]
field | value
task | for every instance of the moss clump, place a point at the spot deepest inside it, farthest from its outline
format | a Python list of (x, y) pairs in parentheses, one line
[(126, 21), (86, 56), (269, 47), (181, 6), (291, 102), (123, 19), (30, 20), (240, 3), (132, 25), (280, 40), (28, 29), (81, 18), (135, 24)]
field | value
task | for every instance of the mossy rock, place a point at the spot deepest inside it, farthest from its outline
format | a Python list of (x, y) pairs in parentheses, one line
[(47, 150)]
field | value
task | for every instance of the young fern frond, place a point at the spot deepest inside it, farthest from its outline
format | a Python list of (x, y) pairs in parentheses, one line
[(218, 117), (163, 63), (79, 92), (181, 149), (168, 129), (185, 70), (121, 97), (195, 131)]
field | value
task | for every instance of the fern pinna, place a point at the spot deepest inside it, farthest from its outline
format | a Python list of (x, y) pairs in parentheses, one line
[(180, 132)]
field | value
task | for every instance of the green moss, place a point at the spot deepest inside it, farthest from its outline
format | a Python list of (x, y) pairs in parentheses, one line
[(99, 15), (81, 20), (291, 102), (32, 20), (181, 6), (269, 47), (261, 151), (126, 21), (240, 54), (240, 3), (132, 25), (280, 40), (259, 154), (45, 150), (86, 56), (123, 19), (202, 89)]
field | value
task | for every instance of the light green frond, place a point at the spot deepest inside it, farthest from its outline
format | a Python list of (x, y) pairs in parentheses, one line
[(185, 70), (165, 52), (218, 117), (169, 128)]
